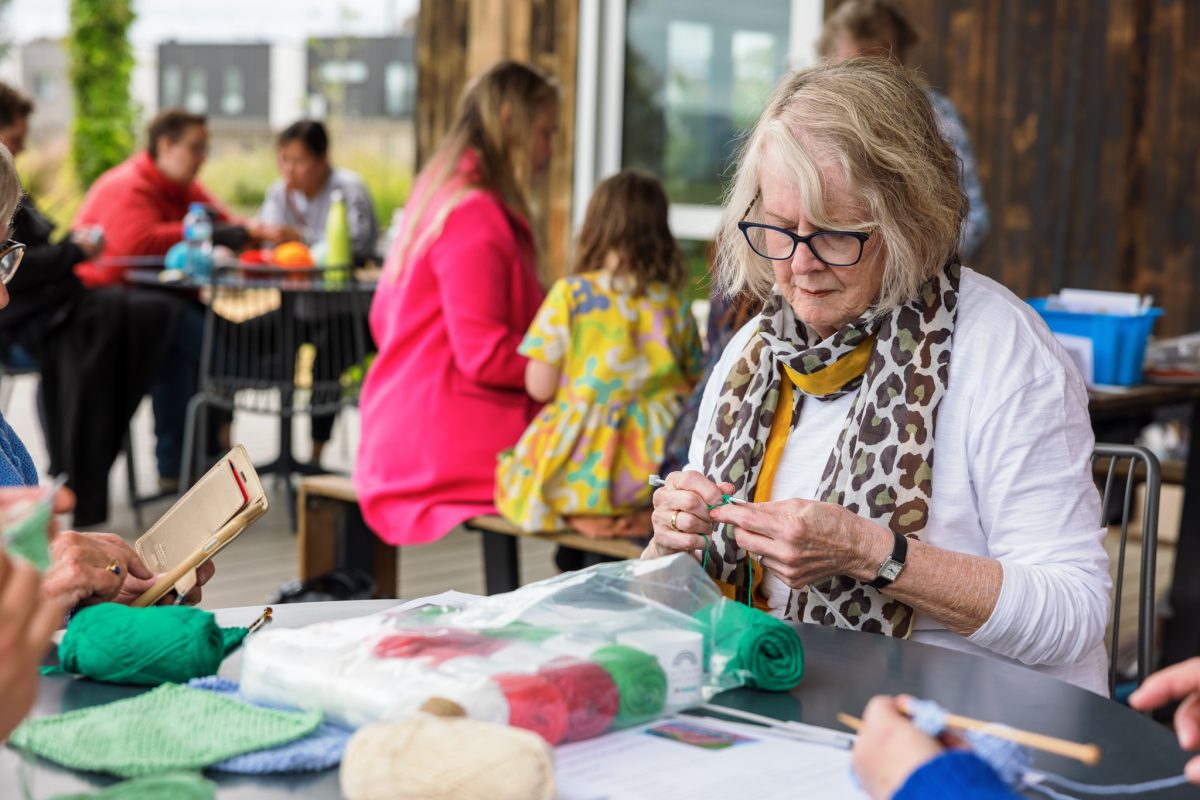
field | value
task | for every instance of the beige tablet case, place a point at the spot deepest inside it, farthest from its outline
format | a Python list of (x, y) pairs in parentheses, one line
[(209, 516)]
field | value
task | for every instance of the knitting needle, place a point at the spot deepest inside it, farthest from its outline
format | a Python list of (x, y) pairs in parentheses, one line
[(263, 619), (657, 480), (1087, 753), (797, 730)]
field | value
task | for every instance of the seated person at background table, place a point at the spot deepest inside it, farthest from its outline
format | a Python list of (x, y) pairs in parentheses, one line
[(875, 352), (893, 759), (298, 203), (87, 567), (459, 288), (878, 29), (613, 353), (89, 346), (140, 204)]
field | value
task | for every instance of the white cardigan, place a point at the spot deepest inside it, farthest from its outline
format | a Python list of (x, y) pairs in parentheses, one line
[(1011, 481)]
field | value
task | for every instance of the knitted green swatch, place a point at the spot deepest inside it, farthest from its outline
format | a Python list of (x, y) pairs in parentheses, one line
[(175, 785), (27, 537), (168, 728)]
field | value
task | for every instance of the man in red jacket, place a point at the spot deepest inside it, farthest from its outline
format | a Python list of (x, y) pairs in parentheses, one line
[(140, 204)]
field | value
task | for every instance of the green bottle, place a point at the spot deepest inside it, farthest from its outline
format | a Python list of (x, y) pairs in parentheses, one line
[(337, 236)]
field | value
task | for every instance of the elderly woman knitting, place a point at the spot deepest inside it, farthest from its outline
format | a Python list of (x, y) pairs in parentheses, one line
[(913, 442)]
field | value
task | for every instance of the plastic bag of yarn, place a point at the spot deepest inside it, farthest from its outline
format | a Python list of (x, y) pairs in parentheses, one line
[(569, 658), (115, 643)]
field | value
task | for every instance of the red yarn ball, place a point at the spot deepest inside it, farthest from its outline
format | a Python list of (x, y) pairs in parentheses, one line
[(535, 704), (437, 646), (591, 695)]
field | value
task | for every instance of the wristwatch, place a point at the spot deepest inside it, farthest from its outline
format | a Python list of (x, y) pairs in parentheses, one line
[(889, 570)]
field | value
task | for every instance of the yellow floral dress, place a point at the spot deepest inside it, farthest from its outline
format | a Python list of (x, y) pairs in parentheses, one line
[(627, 366)]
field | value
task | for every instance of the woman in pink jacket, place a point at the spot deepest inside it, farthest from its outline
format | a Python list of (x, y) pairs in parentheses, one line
[(446, 392)]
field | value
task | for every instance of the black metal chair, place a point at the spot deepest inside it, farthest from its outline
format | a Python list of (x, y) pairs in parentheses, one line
[(1112, 463), (276, 342)]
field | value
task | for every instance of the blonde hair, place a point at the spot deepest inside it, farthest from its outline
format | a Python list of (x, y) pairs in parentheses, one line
[(862, 134), (10, 189), (494, 118), (868, 22), (626, 219)]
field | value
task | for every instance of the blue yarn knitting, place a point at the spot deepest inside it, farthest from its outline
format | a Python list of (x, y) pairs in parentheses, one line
[(321, 749), (1012, 761)]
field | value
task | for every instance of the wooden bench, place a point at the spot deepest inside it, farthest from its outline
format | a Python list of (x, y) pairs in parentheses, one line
[(332, 534)]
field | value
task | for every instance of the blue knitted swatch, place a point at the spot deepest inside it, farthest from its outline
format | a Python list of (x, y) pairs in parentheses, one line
[(321, 749)]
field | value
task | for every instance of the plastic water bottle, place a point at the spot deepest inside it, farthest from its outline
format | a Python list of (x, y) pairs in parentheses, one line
[(197, 234), (337, 235)]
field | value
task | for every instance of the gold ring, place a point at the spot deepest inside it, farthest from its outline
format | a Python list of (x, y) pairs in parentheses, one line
[(757, 557), (114, 567), (674, 519)]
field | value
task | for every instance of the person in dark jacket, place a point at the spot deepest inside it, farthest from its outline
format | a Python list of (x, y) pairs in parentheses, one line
[(91, 347)]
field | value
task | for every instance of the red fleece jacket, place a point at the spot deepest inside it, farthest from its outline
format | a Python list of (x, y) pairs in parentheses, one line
[(141, 212)]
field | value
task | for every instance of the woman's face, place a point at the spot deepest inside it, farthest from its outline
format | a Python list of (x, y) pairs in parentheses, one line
[(825, 297), (13, 136), (541, 138)]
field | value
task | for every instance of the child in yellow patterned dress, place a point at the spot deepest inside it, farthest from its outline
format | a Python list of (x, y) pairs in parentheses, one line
[(613, 352)]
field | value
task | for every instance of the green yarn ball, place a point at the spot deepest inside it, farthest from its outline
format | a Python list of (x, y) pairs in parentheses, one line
[(145, 646), (747, 640), (640, 681)]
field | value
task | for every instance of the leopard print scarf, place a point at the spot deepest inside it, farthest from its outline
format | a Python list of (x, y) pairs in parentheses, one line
[(882, 465)]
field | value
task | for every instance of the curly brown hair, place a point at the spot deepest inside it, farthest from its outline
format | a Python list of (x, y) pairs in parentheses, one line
[(626, 220), (14, 105)]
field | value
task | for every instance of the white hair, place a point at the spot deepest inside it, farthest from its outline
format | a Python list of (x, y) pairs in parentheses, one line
[(10, 188)]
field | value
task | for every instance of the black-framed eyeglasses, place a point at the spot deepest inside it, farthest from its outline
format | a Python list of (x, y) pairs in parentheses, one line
[(832, 248), (11, 253)]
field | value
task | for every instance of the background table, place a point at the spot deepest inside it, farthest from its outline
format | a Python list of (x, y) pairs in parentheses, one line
[(843, 670)]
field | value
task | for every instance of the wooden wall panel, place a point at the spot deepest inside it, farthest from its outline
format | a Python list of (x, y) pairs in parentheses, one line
[(1085, 116), (461, 38)]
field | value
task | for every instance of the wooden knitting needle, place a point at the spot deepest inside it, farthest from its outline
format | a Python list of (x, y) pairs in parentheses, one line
[(1087, 753), (263, 619)]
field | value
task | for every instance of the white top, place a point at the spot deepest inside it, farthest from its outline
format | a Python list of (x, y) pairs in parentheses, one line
[(282, 206), (1011, 481)]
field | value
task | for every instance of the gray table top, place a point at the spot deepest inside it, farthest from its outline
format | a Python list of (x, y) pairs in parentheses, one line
[(843, 670)]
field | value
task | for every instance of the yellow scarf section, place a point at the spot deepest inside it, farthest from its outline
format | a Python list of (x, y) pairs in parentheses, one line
[(822, 382)]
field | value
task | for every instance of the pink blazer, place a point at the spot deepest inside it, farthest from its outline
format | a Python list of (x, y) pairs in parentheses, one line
[(446, 392)]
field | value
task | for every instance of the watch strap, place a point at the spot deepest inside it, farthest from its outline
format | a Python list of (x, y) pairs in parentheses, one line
[(899, 554)]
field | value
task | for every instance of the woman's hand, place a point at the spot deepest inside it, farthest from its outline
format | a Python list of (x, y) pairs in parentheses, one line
[(27, 622), (803, 541), (681, 517), (889, 748), (1178, 682), (80, 570), (135, 587)]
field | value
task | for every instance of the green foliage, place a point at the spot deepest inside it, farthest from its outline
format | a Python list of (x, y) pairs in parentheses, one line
[(101, 62)]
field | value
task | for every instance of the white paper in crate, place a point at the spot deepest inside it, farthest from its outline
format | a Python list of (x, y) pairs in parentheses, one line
[(332, 666)]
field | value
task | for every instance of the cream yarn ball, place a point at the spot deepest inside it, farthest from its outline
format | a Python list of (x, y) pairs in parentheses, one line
[(464, 759)]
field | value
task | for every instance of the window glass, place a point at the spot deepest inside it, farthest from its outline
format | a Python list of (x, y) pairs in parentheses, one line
[(697, 73)]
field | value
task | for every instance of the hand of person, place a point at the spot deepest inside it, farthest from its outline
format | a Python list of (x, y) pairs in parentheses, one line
[(80, 570), (803, 541), (1178, 682), (27, 621), (275, 234), (89, 240), (889, 748), (134, 587), (681, 517)]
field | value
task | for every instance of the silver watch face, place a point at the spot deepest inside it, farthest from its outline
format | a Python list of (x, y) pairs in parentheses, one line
[(890, 569)]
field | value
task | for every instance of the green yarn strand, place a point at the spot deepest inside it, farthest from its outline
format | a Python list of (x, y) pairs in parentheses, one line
[(176, 785)]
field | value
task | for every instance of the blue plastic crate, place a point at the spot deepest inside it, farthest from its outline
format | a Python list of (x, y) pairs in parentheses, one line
[(1118, 342)]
